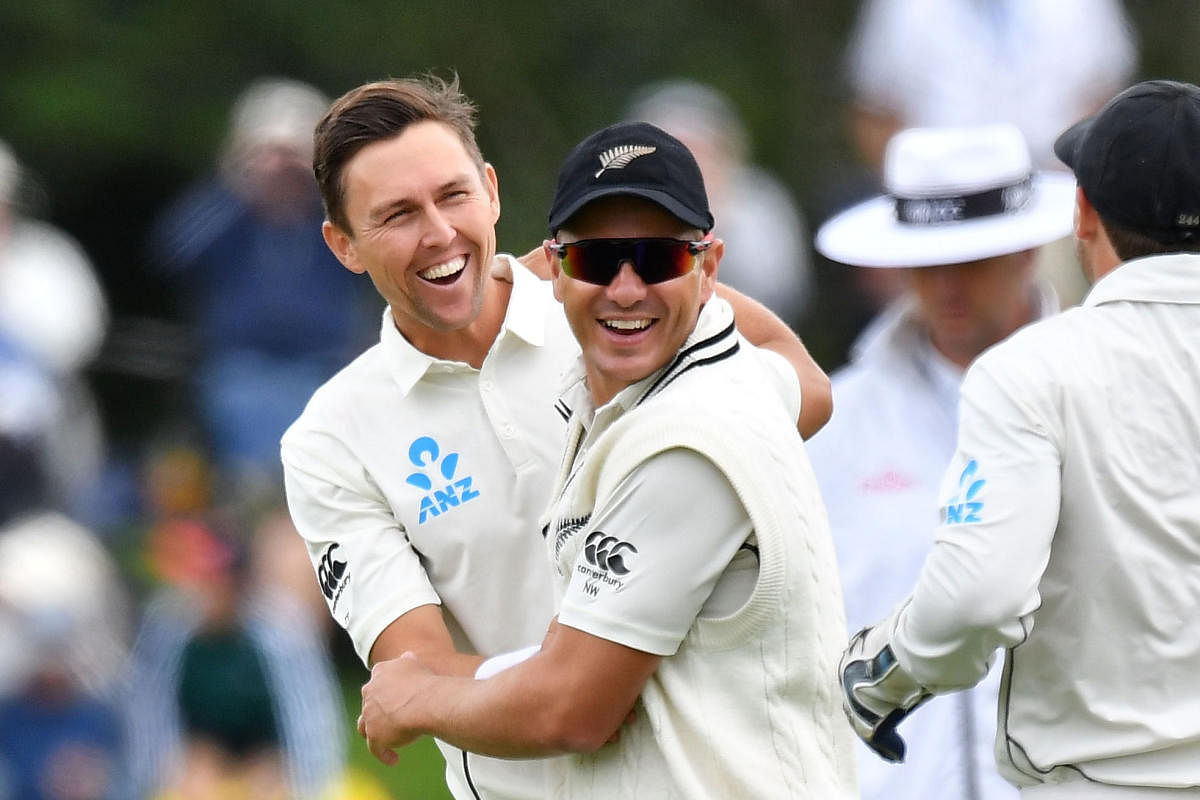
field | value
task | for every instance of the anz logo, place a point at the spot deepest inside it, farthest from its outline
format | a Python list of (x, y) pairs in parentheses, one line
[(424, 453), (963, 507)]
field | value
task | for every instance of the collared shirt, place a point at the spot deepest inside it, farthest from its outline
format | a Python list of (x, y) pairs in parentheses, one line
[(1070, 533), (416, 480), (879, 462)]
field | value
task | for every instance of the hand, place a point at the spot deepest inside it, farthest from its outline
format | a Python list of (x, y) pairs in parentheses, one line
[(537, 263), (877, 694), (388, 719)]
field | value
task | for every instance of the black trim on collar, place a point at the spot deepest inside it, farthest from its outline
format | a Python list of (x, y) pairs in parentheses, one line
[(683, 360)]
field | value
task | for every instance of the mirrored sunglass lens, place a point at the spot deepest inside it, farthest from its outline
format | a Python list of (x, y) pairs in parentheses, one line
[(654, 260), (662, 261), (586, 262)]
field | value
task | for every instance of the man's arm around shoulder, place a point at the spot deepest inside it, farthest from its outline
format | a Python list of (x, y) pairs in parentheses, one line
[(763, 328)]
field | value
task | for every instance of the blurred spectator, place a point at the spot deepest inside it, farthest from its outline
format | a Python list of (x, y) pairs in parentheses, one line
[(931, 63), (53, 309), (232, 690), (273, 312), (766, 239), (1037, 65), (63, 626), (30, 404)]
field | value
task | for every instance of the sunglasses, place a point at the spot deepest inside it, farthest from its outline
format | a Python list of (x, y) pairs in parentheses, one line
[(654, 260)]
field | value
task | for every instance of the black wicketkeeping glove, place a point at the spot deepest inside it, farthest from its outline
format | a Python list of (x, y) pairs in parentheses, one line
[(877, 694)]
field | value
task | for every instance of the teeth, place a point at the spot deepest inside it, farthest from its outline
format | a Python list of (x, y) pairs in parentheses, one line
[(627, 324), (442, 270)]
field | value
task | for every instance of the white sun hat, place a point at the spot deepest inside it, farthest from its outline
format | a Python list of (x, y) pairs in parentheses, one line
[(954, 195)]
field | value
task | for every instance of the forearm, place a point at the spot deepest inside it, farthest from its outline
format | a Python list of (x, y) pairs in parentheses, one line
[(503, 717), (422, 632), (570, 697), (762, 328)]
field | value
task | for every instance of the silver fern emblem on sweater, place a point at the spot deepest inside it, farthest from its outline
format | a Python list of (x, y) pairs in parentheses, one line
[(618, 157)]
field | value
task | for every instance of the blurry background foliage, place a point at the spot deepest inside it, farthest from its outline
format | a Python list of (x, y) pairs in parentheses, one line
[(117, 104)]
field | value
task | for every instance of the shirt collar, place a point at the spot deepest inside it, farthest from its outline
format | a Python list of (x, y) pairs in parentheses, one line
[(716, 318), (529, 303), (1173, 278)]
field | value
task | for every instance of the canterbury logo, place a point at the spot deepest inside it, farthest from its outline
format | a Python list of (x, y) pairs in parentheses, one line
[(330, 572), (607, 553), (619, 157)]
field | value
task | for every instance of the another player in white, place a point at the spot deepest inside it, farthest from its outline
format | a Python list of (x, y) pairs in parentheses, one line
[(1070, 513)]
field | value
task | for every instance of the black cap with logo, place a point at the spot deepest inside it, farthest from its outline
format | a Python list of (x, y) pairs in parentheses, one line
[(1138, 160), (632, 159)]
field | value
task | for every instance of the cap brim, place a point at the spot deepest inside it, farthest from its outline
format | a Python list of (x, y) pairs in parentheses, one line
[(1066, 146), (677, 209), (869, 235)]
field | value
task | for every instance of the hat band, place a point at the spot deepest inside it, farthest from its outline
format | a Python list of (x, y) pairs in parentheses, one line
[(958, 207)]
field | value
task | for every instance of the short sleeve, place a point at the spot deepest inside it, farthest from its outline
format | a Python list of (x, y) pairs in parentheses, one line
[(785, 381), (365, 564), (654, 553)]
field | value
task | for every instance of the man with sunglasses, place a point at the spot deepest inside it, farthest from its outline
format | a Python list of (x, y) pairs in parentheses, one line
[(417, 475), (694, 567)]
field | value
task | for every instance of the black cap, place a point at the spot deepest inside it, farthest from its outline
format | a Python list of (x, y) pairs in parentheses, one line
[(1138, 160), (632, 159)]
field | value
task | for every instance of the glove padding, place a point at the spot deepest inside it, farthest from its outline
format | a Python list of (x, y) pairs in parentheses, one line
[(877, 694)]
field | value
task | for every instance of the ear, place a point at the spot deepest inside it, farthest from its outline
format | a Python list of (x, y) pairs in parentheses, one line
[(342, 246), (708, 269), (1087, 221), (492, 185)]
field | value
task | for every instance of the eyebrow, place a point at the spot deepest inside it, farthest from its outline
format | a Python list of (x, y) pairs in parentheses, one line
[(380, 213)]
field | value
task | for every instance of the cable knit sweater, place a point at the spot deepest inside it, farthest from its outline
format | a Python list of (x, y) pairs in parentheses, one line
[(747, 707)]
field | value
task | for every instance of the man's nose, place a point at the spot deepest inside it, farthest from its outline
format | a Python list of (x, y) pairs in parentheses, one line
[(627, 287)]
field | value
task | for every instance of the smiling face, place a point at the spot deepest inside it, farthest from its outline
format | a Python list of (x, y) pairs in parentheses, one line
[(422, 218), (969, 307), (628, 329)]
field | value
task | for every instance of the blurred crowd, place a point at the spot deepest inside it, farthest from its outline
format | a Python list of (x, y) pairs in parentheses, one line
[(161, 631)]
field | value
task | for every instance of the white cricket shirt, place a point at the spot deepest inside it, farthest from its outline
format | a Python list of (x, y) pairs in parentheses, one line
[(415, 480), (1071, 535)]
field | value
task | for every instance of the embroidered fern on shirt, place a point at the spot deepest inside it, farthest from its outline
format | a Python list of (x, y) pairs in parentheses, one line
[(618, 157)]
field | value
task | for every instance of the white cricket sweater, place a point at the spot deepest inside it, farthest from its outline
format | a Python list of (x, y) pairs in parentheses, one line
[(747, 707)]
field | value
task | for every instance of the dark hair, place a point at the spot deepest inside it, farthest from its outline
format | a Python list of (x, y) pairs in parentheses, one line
[(381, 110), (1130, 244)]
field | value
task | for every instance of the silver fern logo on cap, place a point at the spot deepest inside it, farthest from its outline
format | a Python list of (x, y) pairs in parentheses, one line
[(619, 157)]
